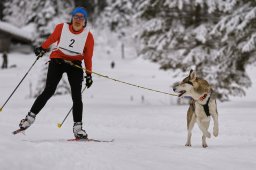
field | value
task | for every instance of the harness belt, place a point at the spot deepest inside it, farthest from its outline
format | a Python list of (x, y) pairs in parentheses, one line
[(206, 107)]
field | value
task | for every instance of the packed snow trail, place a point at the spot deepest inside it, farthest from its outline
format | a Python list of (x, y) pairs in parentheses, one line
[(149, 134)]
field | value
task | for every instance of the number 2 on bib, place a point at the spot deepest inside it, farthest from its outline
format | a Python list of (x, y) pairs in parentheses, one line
[(72, 42)]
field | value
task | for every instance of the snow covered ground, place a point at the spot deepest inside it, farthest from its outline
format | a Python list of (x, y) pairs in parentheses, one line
[(149, 129)]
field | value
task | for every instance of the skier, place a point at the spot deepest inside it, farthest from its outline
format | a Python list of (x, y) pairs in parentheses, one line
[(5, 60), (74, 43)]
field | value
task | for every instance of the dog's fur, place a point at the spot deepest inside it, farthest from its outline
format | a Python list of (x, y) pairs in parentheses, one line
[(202, 94)]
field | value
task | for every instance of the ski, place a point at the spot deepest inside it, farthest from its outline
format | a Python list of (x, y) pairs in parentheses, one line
[(70, 140), (18, 131), (90, 140)]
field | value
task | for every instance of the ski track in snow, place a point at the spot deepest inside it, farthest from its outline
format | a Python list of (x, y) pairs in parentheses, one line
[(148, 135)]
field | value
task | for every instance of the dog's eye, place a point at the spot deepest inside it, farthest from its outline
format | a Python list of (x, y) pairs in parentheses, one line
[(189, 82)]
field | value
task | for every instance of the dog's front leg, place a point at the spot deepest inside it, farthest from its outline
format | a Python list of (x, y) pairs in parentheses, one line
[(201, 126), (191, 122), (206, 126), (215, 124), (214, 114)]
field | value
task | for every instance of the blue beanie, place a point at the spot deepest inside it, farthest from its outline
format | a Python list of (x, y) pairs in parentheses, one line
[(79, 10)]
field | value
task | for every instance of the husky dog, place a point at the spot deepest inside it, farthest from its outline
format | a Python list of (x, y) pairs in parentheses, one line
[(202, 106)]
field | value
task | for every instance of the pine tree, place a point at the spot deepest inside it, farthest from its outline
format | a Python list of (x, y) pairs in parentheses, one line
[(119, 15), (2, 9), (44, 14), (17, 12), (235, 33), (215, 36)]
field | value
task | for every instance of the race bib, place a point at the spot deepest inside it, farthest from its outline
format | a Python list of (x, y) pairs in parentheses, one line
[(72, 44)]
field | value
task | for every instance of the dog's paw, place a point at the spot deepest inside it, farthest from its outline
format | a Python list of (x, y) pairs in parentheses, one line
[(215, 131), (188, 144), (204, 145)]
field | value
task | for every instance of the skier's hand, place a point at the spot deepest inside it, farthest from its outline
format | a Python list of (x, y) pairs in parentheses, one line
[(39, 51), (88, 79)]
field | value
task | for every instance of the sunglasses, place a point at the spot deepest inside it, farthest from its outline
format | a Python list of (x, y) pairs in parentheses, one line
[(80, 18)]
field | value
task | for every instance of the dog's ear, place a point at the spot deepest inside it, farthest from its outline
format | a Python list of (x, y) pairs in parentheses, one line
[(192, 75)]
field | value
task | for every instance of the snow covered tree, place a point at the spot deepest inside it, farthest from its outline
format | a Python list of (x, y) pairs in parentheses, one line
[(2, 9), (215, 36), (17, 12), (49, 13), (236, 35), (45, 14), (118, 14)]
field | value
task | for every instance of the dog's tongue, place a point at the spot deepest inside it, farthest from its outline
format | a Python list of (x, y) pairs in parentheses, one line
[(181, 93)]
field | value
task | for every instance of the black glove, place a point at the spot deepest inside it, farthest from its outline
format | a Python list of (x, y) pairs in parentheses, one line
[(39, 51), (88, 80)]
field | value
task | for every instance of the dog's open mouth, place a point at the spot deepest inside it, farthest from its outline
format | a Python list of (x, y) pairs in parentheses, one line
[(181, 93)]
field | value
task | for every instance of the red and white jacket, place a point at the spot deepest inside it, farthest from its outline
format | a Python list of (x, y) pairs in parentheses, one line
[(87, 52)]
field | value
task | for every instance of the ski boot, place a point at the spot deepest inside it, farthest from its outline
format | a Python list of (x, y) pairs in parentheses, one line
[(79, 133), (28, 121)]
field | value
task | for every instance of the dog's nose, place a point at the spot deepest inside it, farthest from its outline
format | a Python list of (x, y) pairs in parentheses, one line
[(174, 89)]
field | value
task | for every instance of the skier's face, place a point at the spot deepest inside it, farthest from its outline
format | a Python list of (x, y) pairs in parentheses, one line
[(78, 21)]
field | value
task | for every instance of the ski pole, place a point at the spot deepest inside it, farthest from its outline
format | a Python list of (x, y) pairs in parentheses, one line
[(60, 124), (19, 83)]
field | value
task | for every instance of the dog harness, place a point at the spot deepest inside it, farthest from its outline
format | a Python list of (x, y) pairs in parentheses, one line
[(206, 107)]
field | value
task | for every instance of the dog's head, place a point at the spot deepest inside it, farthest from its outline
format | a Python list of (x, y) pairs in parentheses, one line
[(192, 86)]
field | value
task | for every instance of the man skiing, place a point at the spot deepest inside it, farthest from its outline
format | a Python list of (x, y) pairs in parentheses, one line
[(74, 43)]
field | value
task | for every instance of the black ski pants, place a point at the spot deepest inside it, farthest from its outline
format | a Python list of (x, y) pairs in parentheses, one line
[(75, 77)]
